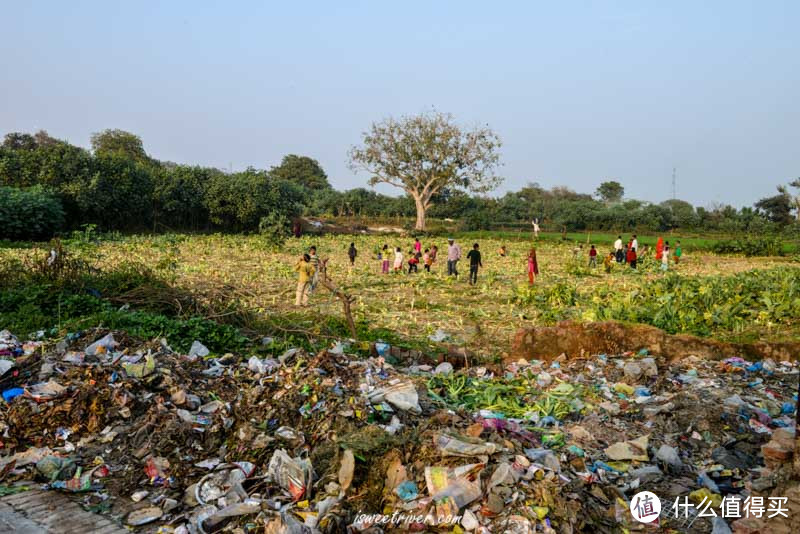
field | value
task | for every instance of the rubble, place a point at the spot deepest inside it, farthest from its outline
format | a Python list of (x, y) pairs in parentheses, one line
[(296, 442)]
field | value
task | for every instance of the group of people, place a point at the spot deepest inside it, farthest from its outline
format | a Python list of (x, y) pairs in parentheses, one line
[(416, 256), (393, 259), (630, 253)]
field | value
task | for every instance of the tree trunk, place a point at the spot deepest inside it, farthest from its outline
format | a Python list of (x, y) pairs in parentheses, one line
[(420, 214)]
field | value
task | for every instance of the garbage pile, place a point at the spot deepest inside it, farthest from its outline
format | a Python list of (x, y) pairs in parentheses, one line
[(332, 442)]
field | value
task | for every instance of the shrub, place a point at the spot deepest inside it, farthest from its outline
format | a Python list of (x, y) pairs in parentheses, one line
[(750, 246), (29, 213)]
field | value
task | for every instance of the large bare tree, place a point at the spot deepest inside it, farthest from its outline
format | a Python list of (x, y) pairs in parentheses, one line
[(426, 153)]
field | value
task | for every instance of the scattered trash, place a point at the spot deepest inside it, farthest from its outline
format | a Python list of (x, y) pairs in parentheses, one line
[(301, 443)]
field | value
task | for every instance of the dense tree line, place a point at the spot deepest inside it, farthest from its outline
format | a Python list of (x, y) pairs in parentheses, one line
[(118, 186)]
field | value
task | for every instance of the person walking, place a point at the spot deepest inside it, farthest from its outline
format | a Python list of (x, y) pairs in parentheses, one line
[(426, 260), (592, 257), (665, 257), (384, 257), (618, 250), (352, 253), (533, 266), (474, 257), (453, 255), (660, 248), (304, 271)]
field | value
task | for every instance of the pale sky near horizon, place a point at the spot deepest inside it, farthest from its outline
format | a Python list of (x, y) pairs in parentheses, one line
[(579, 92)]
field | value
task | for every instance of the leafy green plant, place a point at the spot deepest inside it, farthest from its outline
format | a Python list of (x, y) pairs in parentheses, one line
[(29, 213), (750, 246)]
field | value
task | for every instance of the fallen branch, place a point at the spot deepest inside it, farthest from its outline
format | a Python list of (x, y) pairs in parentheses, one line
[(347, 299)]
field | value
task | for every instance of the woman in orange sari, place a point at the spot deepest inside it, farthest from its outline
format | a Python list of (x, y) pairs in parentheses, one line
[(659, 248)]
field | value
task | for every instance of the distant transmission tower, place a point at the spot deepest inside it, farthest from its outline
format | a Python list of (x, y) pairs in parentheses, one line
[(674, 196)]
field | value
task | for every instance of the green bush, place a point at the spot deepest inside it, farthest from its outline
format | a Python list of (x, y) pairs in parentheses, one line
[(750, 246), (29, 213)]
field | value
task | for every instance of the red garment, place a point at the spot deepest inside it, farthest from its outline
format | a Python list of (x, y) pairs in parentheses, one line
[(659, 248), (631, 255), (533, 266), (592, 252)]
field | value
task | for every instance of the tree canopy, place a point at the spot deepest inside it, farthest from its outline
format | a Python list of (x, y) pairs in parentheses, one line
[(119, 142), (301, 170), (610, 192), (423, 154)]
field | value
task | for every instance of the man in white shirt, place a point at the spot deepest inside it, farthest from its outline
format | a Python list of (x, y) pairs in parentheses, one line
[(618, 243), (635, 243)]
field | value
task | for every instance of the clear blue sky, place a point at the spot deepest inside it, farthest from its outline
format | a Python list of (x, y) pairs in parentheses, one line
[(578, 91)]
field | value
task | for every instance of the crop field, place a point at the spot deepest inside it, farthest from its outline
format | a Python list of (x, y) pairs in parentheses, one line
[(726, 297)]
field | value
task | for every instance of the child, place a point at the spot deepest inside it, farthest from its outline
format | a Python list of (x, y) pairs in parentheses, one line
[(352, 252), (502, 251), (533, 266), (474, 257), (304, 273), (314, 261), (665, 257), (413, 262), (384, 257), (398, 260), (592, 257), (426, 259), (608, 261), (417, 245), (678, 252)]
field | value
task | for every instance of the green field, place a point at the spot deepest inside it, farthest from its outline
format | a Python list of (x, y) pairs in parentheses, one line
[(240, 281)]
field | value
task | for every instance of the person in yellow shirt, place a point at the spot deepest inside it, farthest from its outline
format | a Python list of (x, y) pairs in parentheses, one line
[(304, 271)]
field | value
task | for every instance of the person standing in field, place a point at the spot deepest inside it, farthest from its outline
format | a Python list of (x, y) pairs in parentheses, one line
[(453, 255), (417, 245), (631, 258), (434, 253), (618, 249), (304, 271), (352, 253), (592, 257), (398, 260), (474, 257), (678, 252), (536, 228), (665, 257), (635, 243), (383, 255), (426, 260), (314, 261), (533, 266)]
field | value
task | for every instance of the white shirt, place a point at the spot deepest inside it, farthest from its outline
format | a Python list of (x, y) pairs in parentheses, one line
[(618, 244), (635, 244)]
